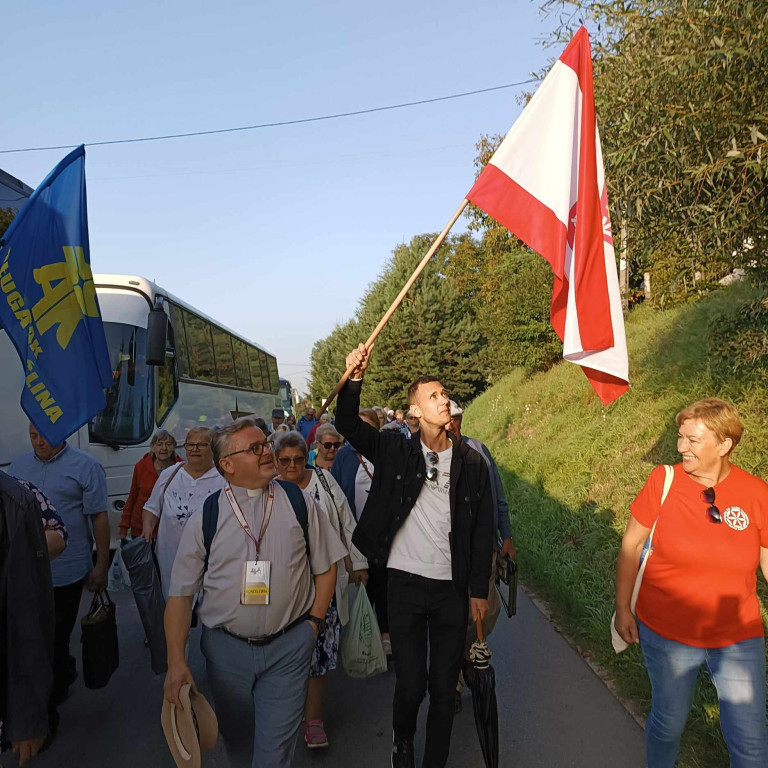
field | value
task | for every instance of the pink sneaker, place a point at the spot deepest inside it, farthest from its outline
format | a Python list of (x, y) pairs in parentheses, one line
[(314, 734)]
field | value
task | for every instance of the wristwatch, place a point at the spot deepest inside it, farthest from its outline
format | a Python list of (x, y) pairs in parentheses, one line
[(319, 623)]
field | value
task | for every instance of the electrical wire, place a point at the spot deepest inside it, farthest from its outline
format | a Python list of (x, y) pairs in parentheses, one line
[(275, 124)]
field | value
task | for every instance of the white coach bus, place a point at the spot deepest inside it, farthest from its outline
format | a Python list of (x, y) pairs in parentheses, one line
[(174, 368)]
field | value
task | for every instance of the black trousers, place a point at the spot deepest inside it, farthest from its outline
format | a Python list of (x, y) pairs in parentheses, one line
[(66, 604), (377, 593), (426, 613)]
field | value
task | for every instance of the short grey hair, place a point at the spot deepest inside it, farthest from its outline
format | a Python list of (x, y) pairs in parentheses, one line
[(204, 432), (326, 429), (162, 434), (222, 436), (291, 439)]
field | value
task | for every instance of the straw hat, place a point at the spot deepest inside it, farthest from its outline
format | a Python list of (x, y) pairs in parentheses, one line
[(190, 728)]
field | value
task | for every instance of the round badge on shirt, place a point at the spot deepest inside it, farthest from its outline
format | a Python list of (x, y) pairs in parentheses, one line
[(736, 518)]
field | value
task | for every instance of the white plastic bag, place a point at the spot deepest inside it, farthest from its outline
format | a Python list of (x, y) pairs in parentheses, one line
[(118, 574), (362, 653)]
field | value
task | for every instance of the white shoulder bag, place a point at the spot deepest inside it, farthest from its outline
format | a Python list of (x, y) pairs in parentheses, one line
[(619, 644)]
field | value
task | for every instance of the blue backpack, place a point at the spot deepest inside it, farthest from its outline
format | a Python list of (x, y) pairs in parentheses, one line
[(211, 515)]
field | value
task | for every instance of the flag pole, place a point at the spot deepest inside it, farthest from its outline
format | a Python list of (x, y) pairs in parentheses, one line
[(396, 303)]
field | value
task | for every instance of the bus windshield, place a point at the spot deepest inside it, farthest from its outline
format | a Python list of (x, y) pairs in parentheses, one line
[(129, 413)]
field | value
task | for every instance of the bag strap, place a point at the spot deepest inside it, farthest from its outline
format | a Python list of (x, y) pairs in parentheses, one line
[(165, 487), (668, 478), (327, 488), (364, 465)]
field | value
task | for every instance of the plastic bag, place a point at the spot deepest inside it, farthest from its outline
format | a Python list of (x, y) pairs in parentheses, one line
[(117, 573), (362, 653)]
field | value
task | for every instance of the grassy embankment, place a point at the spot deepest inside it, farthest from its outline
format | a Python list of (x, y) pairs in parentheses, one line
[(571, 467)]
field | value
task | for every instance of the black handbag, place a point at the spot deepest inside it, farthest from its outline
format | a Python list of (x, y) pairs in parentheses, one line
[(506, 582), (99, 639)]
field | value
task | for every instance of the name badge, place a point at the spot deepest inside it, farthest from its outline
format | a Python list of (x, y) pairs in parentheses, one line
[(255, 587)]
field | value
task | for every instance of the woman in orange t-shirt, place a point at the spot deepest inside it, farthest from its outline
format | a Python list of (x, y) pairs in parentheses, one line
[(698, 602)]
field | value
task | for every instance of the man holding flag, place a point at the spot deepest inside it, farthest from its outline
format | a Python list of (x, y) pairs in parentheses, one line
[(49, 309)]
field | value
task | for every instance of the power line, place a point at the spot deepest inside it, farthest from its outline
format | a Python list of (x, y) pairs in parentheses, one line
[(275, 124)]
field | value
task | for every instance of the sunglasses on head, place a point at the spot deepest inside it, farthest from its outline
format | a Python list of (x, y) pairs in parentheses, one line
[(334, 445), (708, 494), (287, 462), (432, 469)]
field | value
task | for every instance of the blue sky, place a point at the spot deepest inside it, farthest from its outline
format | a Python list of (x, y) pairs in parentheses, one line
[(277, 232)]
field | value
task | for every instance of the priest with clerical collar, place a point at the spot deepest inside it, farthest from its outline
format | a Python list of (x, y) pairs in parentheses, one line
[(270, 576)]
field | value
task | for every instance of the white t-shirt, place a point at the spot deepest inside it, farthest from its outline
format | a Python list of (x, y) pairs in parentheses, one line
[(181, 498), (362, 484), (422, 546)]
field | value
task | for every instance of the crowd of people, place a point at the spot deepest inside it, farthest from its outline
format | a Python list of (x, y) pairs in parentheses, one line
[(260, 530)]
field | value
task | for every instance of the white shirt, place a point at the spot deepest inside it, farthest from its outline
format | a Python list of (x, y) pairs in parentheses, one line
[(362, 484), (422, 545), (181, 498), (339, 514)]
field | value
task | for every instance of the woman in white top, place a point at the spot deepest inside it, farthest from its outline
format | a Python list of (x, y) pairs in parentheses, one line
[(179, 491), (291, 454)]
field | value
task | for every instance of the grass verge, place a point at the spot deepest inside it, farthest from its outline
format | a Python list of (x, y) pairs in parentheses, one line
[(571, 467)]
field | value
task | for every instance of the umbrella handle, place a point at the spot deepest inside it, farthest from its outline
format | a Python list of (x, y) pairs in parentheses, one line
[(479, 625)]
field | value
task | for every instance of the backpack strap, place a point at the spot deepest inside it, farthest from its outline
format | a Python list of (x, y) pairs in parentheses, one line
[(210, 523), (299, 504)]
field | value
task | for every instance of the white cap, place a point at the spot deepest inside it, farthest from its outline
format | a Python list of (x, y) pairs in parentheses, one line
[(455, 410)]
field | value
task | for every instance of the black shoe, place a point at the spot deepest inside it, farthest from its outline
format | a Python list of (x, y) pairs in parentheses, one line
[(402, 753)]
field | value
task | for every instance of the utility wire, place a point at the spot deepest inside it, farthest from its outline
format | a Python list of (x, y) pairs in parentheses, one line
[(276, 124)]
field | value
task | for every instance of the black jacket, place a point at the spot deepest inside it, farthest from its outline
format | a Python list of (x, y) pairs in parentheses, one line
[(399, 473), (26, 615)]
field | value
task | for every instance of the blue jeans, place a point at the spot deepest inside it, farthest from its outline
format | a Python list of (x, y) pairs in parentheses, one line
[(738, 673), (259, 693)]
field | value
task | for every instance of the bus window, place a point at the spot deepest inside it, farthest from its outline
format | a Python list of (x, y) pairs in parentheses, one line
[(180, 335), (222, 347), (266, 386), (256, 378), (128, 415), (200, 348), (242, 370), (167, 383), (273, 379)]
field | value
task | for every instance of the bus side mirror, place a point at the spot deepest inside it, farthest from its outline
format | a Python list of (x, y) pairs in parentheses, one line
[(157, 332)]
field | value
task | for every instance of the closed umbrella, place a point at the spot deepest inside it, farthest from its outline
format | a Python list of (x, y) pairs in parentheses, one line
[(145, 583), (484, 699)]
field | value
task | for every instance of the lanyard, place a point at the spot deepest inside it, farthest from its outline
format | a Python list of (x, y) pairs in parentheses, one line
[(268, 502)]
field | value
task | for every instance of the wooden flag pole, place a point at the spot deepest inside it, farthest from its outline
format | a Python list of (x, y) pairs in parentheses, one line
[(396, 303)]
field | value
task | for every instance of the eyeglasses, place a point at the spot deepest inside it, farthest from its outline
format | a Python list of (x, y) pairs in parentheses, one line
[(708, 494), (286, 462), (195, 446), (432, 471), (256, 449), (331, 446)]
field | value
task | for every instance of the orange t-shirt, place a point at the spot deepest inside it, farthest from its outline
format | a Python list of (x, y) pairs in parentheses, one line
[(699, 586)]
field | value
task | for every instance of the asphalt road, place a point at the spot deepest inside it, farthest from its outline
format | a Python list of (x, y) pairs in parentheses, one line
[(553, 710)]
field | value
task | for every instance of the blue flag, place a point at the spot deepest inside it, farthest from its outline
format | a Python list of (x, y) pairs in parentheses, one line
[(48, 304)]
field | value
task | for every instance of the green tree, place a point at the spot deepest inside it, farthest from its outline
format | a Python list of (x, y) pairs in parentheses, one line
[(683, 113), (434, 331), (6, 217), (509, 288)]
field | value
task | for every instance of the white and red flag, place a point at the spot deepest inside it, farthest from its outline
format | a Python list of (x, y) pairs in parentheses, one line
[(546, 184)]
